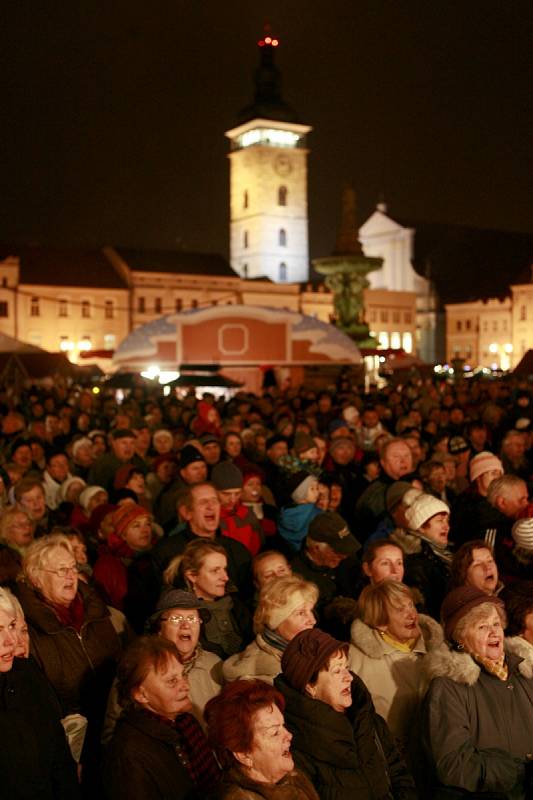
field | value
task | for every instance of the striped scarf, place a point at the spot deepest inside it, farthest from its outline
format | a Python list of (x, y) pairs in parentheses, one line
[(274, 639)]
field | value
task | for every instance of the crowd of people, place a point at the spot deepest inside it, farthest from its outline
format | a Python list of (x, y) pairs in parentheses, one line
[(299, 595)]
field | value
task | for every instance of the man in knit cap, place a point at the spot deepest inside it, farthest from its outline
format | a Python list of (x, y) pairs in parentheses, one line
[(472, 514), (236, 520), (192, 470)]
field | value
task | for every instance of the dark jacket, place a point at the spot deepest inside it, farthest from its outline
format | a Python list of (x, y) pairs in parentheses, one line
[(239, 559), (35, 762), (294, 786), (345, 755), (145, 760), (79, 667), (424, 570), (478, 730)]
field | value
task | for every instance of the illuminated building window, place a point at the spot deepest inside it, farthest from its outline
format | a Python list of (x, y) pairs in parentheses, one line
[(141, 305), (458, 325), (63, 308), (282, 237), (384, 317), (178, 304), (35, 310), (245, 239), (396, 316), (85, 309), (110, 341), (245, 199), (158, 305), (283, 271), (383, 339), (4, 308), (407, 342), (282, 196), (395, 340), (109, 309), (468, 324)]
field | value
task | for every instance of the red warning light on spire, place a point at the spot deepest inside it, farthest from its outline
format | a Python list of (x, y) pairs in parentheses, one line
[(268, 41)]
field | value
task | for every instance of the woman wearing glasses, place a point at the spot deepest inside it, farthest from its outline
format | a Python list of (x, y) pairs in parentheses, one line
[(71, 635), (178, 618)]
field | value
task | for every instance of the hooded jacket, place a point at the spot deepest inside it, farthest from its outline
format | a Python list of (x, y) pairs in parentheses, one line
[(393, 678), (259, 661), (345, 755), (478, 730)]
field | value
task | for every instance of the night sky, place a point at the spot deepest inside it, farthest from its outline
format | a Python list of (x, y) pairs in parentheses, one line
[(113, 114)]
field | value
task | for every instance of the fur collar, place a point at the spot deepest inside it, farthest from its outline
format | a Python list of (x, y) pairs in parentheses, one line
[(524, 650), (408, 541), (370, 643), (461, 668)]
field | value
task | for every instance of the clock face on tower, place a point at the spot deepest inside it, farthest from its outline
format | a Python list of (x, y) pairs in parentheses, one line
[(283, 164)]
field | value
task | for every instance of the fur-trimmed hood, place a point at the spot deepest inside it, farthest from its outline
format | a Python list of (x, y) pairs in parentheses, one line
[(524, 650), (407, 540), (370, 643), (461, 667)]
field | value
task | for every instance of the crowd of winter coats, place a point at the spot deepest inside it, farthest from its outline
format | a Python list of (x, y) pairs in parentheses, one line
[(397, 521)]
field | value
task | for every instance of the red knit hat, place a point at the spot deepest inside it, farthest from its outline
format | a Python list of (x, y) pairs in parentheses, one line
[(124, 516)]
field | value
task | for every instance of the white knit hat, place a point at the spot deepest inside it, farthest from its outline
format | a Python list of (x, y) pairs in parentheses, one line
[(423, 508), (523, 533), (83, 442), (482, 463), (87, 495)]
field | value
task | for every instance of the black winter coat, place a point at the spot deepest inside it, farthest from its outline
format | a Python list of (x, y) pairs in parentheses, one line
[(345, 755), (35, 762), (144, 761)]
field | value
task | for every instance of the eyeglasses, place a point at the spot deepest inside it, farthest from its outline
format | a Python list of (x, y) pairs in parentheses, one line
[(178, 619), (63, 572)]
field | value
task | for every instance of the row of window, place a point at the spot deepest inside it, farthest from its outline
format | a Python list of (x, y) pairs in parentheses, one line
[(394, 316), (282, 271), (485, 325), (179, 305), (283, 195), (282, 238), (63, 308), (394, 340)]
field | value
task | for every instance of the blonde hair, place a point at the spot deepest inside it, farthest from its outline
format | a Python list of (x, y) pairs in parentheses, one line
[(280, 594), (38, 556), (6, 519), (190, 560), (374, 601), (7, 602)]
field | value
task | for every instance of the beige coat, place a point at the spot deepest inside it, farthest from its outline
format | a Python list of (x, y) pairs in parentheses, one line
[(394, 679), (259, 660)]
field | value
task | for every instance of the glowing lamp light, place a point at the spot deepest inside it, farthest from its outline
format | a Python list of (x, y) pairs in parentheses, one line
[(96, 390), (268, 40), (508, 348), (493, 348), (85, 345), (152, 372), (65, 345)]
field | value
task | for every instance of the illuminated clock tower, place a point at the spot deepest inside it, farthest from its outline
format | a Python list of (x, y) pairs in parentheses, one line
[(268, 182)]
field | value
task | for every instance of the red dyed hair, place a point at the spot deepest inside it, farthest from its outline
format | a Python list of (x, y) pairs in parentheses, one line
[(230, 714)]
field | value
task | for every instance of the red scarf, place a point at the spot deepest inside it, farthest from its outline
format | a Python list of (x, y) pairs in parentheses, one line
[(71, 616)]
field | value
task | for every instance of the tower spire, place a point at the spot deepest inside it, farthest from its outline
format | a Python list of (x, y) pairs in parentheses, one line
[(268, 102)]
